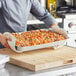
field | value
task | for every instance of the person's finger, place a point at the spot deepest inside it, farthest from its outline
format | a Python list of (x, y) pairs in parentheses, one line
[(63, 32), (4, 40), (7, 37), (6, 45)]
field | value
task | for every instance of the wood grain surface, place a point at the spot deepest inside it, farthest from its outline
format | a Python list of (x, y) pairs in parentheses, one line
[(43, 58)]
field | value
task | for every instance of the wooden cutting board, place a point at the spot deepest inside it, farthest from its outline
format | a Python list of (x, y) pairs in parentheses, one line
[(43, 58)]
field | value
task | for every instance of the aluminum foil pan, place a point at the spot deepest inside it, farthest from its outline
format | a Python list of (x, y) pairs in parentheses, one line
[(28, 48)]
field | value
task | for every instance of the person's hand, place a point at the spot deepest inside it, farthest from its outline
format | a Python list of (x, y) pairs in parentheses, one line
[(4, 39), (59, 30)]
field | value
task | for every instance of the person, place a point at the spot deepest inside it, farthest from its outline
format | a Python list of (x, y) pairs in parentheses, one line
[(14, 15)]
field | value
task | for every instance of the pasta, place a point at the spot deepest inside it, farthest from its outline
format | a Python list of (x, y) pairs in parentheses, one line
[(36, 37)]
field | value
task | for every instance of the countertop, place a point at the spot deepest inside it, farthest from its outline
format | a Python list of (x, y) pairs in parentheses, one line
[(12, 70)]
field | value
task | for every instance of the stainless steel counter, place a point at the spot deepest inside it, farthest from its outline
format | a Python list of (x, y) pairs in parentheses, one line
[(12, 70)]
